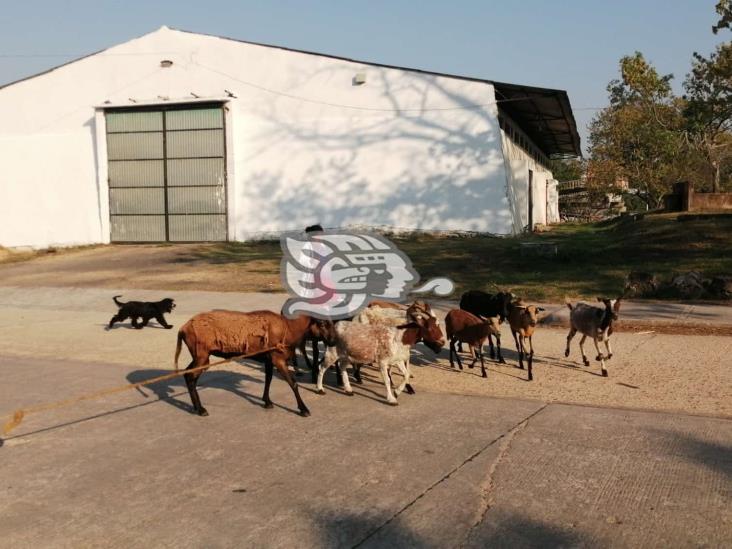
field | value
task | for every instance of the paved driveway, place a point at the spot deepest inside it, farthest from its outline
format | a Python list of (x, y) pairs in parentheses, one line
[(439, 470)]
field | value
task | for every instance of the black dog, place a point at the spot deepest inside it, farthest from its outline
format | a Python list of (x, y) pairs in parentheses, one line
[(143, 309)]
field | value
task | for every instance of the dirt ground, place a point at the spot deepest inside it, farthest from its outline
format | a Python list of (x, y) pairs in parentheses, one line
[(152, 266), (650, 371), (688, 373)]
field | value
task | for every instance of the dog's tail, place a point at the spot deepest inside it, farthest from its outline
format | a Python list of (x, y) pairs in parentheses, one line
[(119, 303), (181, 338)]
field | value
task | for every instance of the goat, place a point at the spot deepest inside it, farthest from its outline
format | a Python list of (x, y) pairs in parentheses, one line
[(228, 334), (596, 323), (523, 319), (382, 346), (484, 305), (462, 326), (391, 314)]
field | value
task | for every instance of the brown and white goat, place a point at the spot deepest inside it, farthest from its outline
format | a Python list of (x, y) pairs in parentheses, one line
[(462, 326), (381, 346), (523, 320), (392, 314), (596, 323), (228, 334)]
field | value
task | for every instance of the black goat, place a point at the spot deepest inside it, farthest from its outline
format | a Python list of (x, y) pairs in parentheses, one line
[(485, 305)]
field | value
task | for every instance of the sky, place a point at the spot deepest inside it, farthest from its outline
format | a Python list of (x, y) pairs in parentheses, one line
[(571, 45)]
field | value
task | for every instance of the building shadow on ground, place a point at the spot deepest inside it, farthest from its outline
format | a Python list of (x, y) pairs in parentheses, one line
[(505, 529)]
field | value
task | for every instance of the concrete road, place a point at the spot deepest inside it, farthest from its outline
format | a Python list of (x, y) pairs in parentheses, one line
[(138, 469), (439, 470)]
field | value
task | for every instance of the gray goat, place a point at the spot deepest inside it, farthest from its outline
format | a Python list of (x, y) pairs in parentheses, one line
[(596, 323)]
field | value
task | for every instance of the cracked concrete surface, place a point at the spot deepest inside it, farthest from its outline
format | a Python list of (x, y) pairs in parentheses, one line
[(135, 469), (440, 470), (487, 486)]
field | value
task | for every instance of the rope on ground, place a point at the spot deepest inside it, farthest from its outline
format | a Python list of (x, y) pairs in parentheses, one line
[(17, 416)]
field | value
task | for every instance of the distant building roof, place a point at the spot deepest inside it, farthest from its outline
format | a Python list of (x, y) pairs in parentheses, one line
[(546, 116)]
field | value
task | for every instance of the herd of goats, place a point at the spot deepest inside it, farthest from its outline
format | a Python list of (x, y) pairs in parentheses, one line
[(381, 335)]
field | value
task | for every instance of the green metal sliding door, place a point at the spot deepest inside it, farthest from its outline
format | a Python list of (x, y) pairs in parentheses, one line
[(167, 174)]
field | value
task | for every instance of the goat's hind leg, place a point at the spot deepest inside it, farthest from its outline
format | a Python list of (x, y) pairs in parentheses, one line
[(343, 372), (408, 387), (585, 360), (519, 350), (498, 350), (404, 370), (328, 361), (268, 371), (390, 398), (454, 353), (531, 358), (570, 335), (192, 381)]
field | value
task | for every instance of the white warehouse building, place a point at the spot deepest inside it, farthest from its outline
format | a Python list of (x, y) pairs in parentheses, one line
[(183, 137)]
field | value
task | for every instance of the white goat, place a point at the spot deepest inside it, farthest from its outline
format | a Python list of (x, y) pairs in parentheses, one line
[(374, 344), (393, 314), (385, 342), (596, 323)]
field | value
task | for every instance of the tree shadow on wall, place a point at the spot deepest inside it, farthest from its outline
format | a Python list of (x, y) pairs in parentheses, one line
[(452, 177)]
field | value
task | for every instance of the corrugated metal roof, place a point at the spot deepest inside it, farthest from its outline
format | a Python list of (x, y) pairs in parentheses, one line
[(546, 117)]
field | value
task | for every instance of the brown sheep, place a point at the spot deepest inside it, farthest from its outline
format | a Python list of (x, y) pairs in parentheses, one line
[(523, 320), (228, 334), (462, 326)]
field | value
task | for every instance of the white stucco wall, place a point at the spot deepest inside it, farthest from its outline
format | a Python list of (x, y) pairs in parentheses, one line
[(539, 203), (552, 201), (517, 164), (410, 156)]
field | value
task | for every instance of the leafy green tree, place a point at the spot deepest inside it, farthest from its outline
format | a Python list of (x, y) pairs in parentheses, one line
[(708, 96), (724, 10), (567, 169), (636, 140), (708, 109)]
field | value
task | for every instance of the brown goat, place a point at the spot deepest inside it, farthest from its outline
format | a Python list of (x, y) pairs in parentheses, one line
[(228, 334), (462, 326), (523, 320)]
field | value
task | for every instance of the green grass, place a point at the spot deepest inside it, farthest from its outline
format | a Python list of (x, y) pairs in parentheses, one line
[(593, 259)]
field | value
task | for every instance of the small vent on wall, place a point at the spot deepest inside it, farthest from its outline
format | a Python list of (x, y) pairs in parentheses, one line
[(165, 63), (359, 79)]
